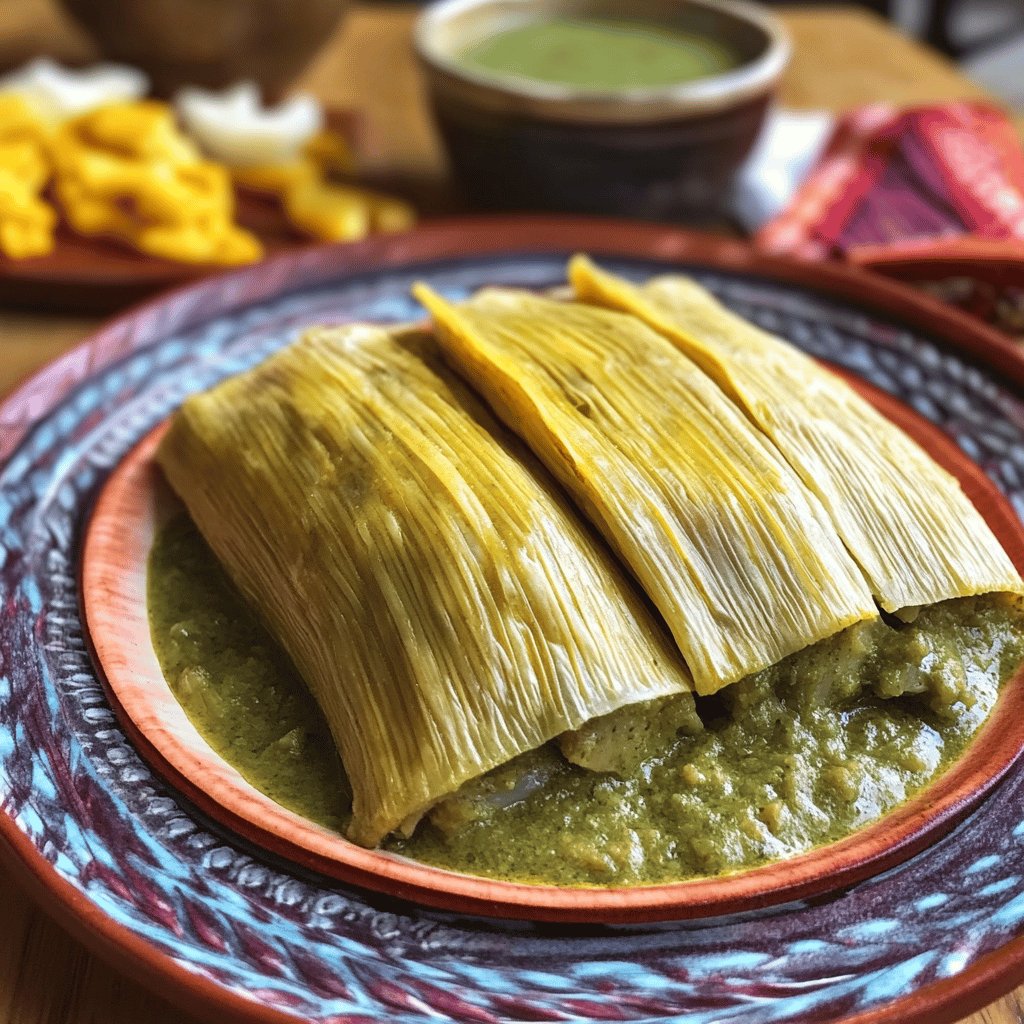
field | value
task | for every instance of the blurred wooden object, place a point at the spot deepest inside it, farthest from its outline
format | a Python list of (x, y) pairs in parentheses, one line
[(29, 28), (195, 42), (843, 57)]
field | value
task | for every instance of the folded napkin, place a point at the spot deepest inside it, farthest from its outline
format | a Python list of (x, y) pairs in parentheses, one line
[(933, 195)]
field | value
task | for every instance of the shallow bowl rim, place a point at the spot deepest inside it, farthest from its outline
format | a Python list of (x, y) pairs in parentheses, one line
[(546, 100), (118, 636)]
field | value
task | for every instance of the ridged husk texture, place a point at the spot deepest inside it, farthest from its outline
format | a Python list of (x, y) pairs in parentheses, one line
[(432, 585), (734, 551), (905, 520)]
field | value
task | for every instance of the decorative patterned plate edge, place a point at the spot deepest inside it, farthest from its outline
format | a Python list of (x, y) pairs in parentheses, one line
[(938, 1002)]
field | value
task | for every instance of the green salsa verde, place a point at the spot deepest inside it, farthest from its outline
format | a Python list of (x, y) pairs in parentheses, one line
[(597, 53), (797, 756)]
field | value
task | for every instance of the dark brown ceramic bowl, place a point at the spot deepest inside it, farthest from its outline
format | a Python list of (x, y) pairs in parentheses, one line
[(213, 43), (667, 152)]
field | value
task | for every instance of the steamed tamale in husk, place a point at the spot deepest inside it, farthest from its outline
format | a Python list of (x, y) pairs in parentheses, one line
[(904, 519), (452, 599), (736, 553), (429, 581)]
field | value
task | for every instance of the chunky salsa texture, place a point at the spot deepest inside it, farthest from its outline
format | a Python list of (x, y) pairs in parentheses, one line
[(800, 755)]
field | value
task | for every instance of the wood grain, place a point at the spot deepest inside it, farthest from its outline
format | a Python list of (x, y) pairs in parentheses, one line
[(843, 57)]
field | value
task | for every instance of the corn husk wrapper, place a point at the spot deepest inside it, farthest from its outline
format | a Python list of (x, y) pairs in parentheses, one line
[(737, 555), (905, 520), (434, 589)]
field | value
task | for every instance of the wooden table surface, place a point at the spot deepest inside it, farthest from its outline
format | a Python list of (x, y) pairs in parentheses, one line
[(843, 57)]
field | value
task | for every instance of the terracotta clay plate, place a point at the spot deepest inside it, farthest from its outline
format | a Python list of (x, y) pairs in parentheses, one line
[(238, 932), (116, 546)]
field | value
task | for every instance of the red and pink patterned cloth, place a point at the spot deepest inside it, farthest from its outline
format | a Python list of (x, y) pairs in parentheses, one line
[(933, 195)]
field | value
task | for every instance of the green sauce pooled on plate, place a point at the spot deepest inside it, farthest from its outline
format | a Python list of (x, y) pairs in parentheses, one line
[(595, 53), (801, 754)]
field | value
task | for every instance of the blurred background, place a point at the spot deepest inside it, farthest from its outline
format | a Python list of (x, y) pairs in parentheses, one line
[(915, 95), (986, 37)]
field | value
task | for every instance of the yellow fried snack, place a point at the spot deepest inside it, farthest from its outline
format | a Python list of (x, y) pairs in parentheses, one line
[(125, 172), (197, 241), (343, 213), (91, 215), (326, 153), (275, 179), (27, 160), (18, 120), (321, 208), (22, 240), (27, 221), (154, 191), (284, 152), (335, 213), (230, 246), (145, 130)]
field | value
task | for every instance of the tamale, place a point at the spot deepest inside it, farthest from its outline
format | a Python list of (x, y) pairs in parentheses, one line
[(737, 555), (435, 590), (905, 520)]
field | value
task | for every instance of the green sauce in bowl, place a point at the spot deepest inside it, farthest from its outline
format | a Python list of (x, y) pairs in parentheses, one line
[(599, 53)]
